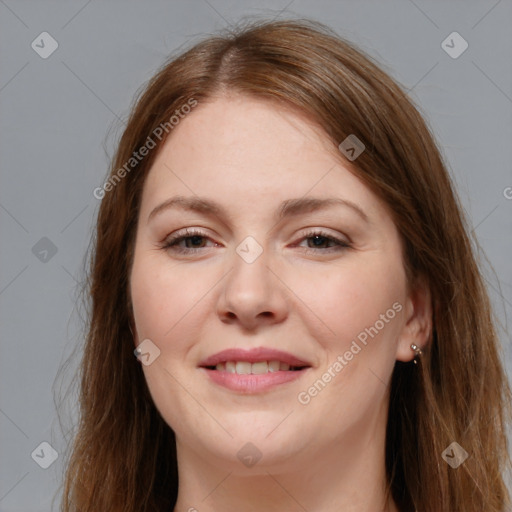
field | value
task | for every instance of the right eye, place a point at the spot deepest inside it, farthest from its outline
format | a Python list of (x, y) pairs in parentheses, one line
[(191, 237)]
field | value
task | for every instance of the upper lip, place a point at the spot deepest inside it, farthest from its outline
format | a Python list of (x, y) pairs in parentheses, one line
[(254, 355)]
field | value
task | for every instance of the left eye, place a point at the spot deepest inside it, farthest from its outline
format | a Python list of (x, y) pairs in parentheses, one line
[(320, 238), (195, 240)]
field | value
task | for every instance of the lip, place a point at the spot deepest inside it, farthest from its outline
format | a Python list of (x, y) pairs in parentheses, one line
[(254, 355), (253, 383)]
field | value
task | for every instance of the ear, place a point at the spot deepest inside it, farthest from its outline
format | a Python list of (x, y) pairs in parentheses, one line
[(417, 321)]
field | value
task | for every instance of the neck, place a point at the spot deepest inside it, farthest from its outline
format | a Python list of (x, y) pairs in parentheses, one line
[(347, 475)]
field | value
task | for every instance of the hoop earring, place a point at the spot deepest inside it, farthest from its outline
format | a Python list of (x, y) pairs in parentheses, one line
[(417, 351)]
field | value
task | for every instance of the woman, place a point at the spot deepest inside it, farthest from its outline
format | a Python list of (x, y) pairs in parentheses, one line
[(280, 246)]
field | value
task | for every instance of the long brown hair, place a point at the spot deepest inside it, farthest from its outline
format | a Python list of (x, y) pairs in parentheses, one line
[(123, 456)]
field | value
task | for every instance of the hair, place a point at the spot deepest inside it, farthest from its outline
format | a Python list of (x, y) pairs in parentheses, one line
[(123, 457)]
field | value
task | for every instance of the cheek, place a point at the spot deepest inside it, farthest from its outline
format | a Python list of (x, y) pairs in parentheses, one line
[(162, 299), (350, 298), (165, 307), (363, 306)]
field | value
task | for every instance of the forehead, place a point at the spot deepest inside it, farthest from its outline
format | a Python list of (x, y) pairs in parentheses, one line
[(242, 130), (250, 151)]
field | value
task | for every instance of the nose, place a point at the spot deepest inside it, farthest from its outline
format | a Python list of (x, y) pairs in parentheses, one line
[(253, 294)]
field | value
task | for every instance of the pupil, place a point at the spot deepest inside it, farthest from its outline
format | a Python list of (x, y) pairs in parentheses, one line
[(318, 238), (195, 239)]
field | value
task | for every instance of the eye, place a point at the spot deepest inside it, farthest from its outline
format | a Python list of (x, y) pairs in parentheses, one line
[(195, 240), (320, 238)]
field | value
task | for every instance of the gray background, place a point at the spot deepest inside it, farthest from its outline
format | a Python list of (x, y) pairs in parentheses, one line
[(60, 117)]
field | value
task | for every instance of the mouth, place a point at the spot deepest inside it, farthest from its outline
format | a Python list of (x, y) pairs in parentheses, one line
[(253, 371), (257, 368)]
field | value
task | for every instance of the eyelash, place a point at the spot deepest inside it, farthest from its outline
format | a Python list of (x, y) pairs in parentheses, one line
[(170, 243)]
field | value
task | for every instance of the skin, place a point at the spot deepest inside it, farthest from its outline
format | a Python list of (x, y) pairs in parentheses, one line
[(327, 455)]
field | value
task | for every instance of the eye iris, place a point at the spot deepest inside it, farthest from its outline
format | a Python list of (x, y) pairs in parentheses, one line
[(194, 239), (318, 238)]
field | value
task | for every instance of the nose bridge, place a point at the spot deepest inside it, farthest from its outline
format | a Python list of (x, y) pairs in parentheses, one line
[(249, 279), (251, 291)]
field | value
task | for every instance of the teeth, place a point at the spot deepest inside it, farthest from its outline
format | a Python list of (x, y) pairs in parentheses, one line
[(243, 368), (246, 368), (273, 366), (260, 367)]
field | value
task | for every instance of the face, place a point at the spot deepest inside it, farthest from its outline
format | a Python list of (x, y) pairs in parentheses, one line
[(309, 298)]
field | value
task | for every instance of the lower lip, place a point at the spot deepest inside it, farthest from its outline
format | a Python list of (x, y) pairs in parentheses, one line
[(253, 383)]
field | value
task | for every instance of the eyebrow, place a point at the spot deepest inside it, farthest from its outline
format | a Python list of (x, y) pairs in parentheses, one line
[(288, 208)]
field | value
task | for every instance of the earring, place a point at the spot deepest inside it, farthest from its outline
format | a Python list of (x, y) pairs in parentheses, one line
[(418, 352)]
